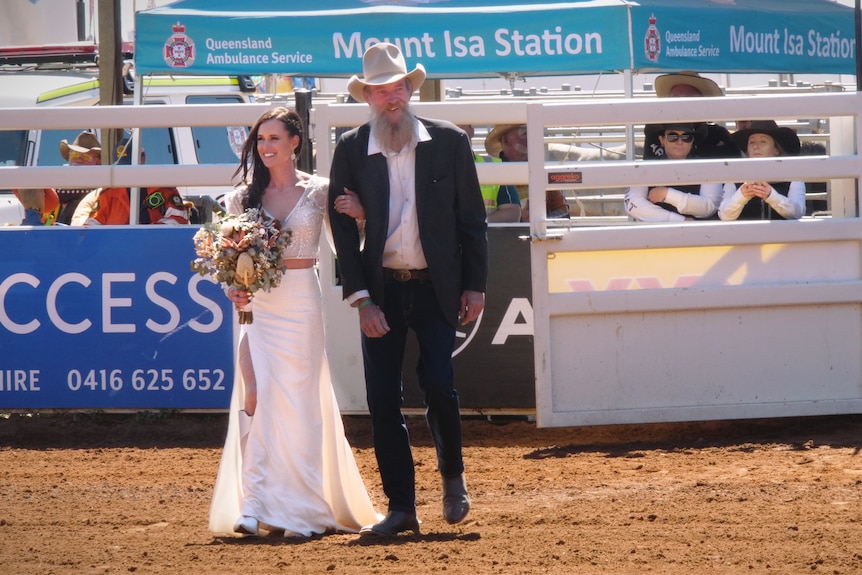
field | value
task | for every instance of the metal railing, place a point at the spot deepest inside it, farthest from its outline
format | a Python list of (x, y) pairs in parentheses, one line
[(602, 114)]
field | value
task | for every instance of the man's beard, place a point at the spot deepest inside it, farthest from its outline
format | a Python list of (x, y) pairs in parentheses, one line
[(393, 137)]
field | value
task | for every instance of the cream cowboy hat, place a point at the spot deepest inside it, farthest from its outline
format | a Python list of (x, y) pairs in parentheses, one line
[(383, 63), (665, 83), (85, 142), (493, 146)]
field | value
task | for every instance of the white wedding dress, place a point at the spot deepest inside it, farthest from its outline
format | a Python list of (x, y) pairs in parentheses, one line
[(296, 471)]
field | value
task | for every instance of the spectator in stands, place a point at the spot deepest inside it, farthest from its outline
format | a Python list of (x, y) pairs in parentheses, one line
[(761, 200), (502, 203), (813, 149), (84, 151), (717, 142), (40, 206), (509, 143), (111, 206), (679, 141)]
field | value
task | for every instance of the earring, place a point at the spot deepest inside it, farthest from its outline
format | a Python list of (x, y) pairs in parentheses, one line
[(293, 156)]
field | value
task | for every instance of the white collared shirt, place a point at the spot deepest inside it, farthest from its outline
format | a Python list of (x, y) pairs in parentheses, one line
[(403, 249)]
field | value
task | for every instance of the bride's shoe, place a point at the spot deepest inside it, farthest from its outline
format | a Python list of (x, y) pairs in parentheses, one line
[(246, 525)]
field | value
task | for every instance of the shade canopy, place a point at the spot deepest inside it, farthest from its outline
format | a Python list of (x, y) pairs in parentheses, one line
[(481, 38)]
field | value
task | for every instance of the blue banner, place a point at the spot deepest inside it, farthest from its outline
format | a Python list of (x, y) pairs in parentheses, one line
[(475, 38), (110, 318), (451, 39), (752, 36)]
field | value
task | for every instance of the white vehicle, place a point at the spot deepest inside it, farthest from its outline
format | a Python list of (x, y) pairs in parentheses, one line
[(67, 75)]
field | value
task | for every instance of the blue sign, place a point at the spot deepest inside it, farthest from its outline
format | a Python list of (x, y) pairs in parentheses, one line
[(451, 39), (749, 36), (110, 318), (475, 38)]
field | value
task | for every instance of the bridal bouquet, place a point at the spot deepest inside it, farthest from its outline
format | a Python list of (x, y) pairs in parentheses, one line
[(244, 251)]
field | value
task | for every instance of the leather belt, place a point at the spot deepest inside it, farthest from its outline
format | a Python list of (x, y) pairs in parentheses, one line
[(406, 275)]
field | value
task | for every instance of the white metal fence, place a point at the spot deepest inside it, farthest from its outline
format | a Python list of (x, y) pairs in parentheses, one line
[(658, 353)]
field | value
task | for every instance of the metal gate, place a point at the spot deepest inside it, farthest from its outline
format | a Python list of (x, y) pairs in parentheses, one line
[(702, 320)]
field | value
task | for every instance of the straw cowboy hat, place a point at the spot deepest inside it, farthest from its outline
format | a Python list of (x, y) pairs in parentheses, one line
[(493, 146), (665, 83), (383, 63), (85, 142), (785, 137)]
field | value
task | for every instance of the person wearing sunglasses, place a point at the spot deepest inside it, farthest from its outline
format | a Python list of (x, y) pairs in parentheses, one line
[(669, 203), (715, 142)]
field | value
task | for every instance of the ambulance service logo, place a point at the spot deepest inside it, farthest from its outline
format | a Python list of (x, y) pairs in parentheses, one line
[(652, 41), (179, 48), (236, 136)]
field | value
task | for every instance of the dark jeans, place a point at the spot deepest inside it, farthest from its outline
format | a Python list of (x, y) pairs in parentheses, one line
[(412, 306)]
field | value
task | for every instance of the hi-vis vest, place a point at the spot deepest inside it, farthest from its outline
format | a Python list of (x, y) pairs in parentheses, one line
[(489, 191)]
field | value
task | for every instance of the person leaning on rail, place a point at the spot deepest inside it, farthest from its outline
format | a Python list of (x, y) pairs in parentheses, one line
[(502, 203), (675, 202), (509, 143), (717, 142), (759, 199), (41, 205), (112, 206)]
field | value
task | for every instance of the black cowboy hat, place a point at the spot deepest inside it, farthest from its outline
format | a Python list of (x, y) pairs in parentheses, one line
[(786, 138)]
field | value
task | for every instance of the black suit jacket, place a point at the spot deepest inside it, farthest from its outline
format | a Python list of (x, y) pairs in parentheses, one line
[(449, 206)]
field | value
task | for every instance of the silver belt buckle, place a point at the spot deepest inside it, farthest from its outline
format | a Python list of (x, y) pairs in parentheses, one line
[(402, 275)]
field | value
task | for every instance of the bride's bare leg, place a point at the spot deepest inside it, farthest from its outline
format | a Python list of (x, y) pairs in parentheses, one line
[(248, 378), (245, 524)]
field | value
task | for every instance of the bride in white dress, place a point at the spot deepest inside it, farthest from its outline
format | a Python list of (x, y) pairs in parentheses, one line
[(286, 464)]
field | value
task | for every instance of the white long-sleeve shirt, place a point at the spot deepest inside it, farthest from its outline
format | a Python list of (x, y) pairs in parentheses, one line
[(791, 206), (704, 205), (403, 249)]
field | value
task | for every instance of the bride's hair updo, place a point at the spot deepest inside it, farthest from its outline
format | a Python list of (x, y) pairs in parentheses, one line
[(255, 175)]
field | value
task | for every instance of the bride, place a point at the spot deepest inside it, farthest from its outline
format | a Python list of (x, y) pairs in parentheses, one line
[(286, 465)]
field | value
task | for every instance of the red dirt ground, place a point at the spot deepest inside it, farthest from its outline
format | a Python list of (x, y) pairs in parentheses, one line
[(109, 494)]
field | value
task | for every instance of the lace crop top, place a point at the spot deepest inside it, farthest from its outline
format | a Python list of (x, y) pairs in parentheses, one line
[(304, 220)]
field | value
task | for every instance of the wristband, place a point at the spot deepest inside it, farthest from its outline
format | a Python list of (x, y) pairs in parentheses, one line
[(364, 304)]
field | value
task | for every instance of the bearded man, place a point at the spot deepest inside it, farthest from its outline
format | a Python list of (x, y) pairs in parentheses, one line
[(423, 267)]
